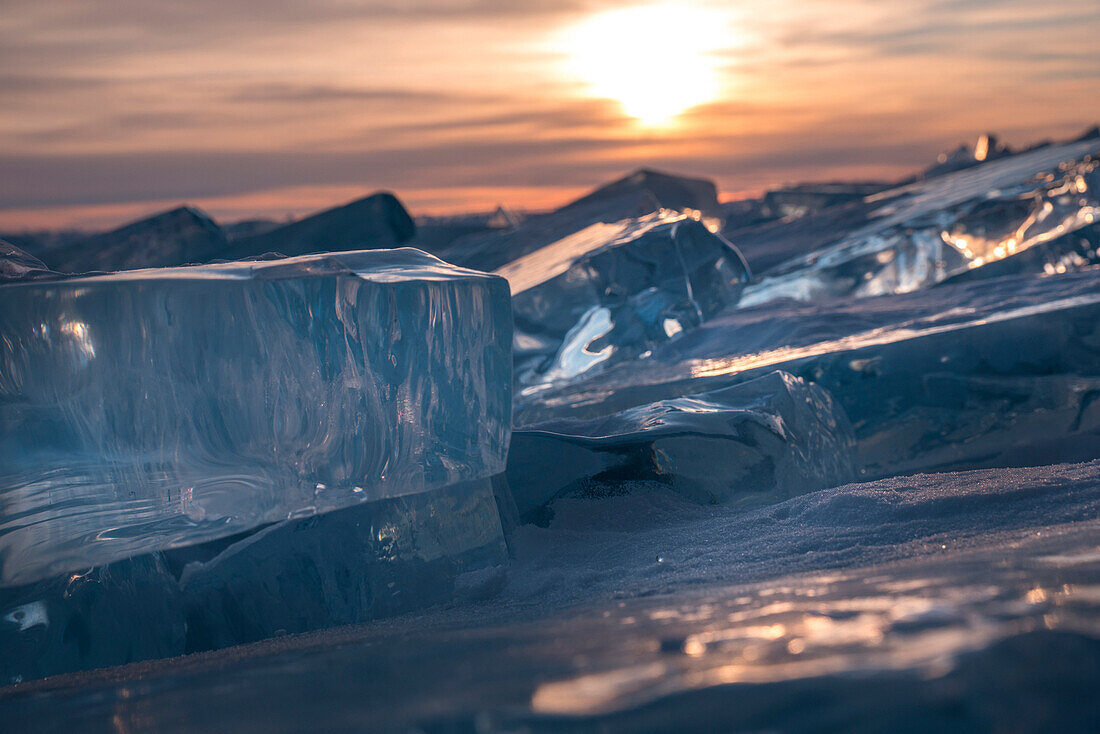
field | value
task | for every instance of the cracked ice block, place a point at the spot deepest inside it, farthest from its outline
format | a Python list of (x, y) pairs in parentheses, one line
[(763, 441), (157, 409), (613, 291)]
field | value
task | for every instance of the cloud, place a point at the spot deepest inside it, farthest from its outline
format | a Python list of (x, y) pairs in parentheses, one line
[(284, 92), (116, 101)]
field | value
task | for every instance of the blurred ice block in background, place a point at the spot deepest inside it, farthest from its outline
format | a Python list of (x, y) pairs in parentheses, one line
[(638, 194)]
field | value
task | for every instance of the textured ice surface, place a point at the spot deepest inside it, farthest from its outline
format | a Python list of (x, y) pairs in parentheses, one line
[(362, 562), (154, 409), (612, 291), (996, 372), (762, 441), (1024, 209), (642, 192)]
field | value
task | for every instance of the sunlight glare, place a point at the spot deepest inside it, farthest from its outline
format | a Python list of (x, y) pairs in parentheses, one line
[(655, 60)]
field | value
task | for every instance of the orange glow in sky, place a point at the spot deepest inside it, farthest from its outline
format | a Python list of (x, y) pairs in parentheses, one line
[(655, 60), (115, 108)]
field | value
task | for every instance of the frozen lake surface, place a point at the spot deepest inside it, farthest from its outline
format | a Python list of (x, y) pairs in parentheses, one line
[(958, 602)]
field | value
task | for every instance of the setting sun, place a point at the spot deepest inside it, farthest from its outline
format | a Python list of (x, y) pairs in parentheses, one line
[(656, 60)]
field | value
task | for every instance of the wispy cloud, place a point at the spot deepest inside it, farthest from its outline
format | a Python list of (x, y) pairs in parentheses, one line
[(109, 103)]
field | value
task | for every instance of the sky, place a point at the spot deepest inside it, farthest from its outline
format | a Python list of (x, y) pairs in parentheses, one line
[(113, 109)]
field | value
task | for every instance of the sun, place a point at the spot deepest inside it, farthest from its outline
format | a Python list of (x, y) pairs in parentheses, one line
[(656, 60)]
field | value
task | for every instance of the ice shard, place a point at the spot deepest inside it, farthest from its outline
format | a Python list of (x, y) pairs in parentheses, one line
[(154, 409), (767, 242), (639, 194), (1021, 210), (613, 291), (18, 265), (1001, 372), (762, 441)]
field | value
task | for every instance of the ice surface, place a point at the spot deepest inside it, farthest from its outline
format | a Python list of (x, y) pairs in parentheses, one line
[(198, 458), (1023, 208), (642, 192), (953, 602), (18, 265), (934, 379), (758, 442), (613, 291), (768, 243), (154, 409), (359, 563), (118, 613), (367, 561)]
